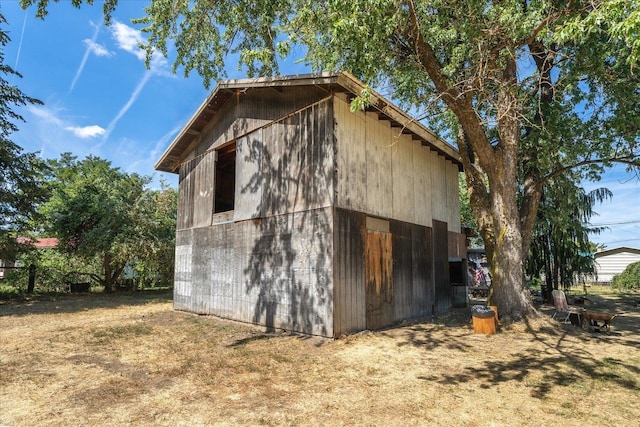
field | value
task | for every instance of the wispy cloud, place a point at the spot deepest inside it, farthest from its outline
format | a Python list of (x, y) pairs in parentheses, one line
[(96, 48), (129, 39), (86, 131), (46, 115), (51, 131), (92, 47)]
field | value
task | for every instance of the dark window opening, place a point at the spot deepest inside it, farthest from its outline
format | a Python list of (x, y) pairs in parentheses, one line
[(225, 179)]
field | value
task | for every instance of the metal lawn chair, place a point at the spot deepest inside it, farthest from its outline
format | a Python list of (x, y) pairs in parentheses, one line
[(562, 308)]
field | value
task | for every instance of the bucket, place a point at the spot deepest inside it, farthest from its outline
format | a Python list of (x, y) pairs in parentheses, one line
[(484, 320)]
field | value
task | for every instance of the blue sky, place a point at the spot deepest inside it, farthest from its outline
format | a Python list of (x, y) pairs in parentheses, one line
[(101, 100)]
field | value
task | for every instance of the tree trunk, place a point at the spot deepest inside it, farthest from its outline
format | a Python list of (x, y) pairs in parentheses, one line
[(109, 282), (32, 279), (508, 288)]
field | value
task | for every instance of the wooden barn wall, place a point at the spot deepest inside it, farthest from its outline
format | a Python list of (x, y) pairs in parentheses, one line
[(249, 110), (413, 258), (441, 282), (412, 270), (276, 271), (453, 200), (349, 313), (287, 166), (182, 277), (270, 262), (422, 209), (196, 192), (385, 173), (457, 245), (439, 188)]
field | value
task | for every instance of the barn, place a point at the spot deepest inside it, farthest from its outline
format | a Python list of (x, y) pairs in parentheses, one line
[(296, 213), (614, 261)]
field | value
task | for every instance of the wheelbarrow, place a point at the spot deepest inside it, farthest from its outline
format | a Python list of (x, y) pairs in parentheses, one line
[(596, 320)]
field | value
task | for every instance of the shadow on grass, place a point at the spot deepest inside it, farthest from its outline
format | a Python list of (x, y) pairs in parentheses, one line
[(545, 361), (73, 303)]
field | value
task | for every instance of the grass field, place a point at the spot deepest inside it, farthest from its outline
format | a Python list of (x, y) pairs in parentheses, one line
[(129, 359)]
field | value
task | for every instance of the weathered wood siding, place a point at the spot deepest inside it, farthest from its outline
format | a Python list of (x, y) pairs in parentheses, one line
[(453, 199), (411, 285), (270, 261), (457, 245), (385, 173), (349, 270), (196, 192), (251, 109), (315, 187), (286, 166), (413, 293), (379, 299), (441, 282), (274, 271), (422, 209)]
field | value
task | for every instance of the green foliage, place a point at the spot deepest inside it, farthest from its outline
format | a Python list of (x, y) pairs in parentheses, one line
[(528, 89), (629, 278), (155, 213), (105, 216), (561, 250), (8, 292), (466, 212), (21, 174), (54, 270)]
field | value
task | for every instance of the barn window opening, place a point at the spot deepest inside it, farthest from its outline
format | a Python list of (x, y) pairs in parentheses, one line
[(225, 179)]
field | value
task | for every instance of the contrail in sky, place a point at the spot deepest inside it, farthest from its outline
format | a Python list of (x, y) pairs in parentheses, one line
[(24, 24), (84, 58), (125, 108)]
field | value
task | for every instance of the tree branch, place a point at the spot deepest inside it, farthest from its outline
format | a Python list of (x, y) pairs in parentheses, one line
[(631, 159), (459, 103)]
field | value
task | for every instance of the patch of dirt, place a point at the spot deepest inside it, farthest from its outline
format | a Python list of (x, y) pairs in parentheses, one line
[(132, 360)]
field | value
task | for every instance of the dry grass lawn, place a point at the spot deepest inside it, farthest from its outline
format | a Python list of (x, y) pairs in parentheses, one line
[(114, 360)]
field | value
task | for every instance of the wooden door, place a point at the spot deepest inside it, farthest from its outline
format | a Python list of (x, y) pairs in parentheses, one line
[(379, 279)]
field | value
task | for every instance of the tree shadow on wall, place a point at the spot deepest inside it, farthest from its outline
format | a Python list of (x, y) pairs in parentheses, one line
[(288, 273)]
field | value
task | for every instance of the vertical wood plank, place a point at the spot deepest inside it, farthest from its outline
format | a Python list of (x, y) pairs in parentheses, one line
[(378, 165), (379, 279), (438, 188), (351, 157), (442, 287), (402, 270), (185, 196), (248, 196), (420, 271), (403, 176), (422, 184), (453, 200), (204, 189)]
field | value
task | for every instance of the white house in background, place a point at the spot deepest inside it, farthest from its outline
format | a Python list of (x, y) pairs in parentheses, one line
[(614, 261)]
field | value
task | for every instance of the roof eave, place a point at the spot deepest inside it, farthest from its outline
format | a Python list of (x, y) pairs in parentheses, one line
[(172, 156)]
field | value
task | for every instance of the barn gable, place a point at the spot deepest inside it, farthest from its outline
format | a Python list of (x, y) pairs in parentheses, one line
[(296, 213)]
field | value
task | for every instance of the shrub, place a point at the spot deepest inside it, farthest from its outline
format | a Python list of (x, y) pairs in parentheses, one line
[(629, 278)]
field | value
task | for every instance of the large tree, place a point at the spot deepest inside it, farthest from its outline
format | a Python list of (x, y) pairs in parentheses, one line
[(561, 251), (527, 89), (21, 174), (93, 213)]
